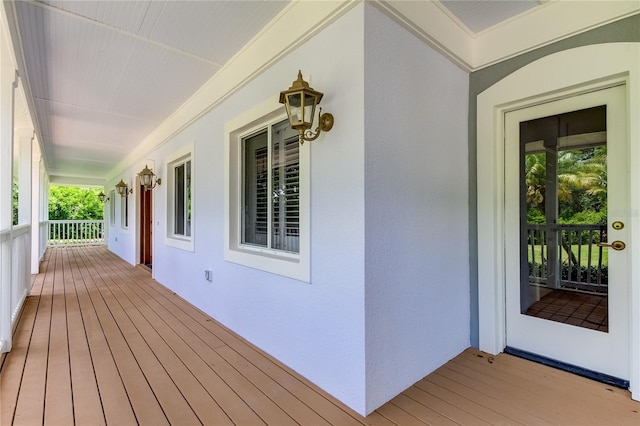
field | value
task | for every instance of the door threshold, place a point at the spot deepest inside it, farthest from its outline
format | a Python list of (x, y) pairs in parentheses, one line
[(550, 362), (145, 267)]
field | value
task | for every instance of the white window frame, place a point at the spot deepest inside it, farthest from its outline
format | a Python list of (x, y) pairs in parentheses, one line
[(292, 265), (176, 159), (125, 209), (112, 208)]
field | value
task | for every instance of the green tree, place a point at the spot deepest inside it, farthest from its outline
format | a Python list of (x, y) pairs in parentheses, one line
[(14, 202), (581, 184), (72, 203), (535, 179)]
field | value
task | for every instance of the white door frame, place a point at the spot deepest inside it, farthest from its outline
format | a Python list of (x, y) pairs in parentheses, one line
[(562, 74)]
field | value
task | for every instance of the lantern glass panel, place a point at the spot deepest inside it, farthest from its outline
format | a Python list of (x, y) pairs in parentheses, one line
[(294, 101), (309, 109)]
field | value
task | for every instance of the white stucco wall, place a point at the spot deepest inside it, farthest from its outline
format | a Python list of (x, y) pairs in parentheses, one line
[(388, 300), (416, 211), (318, 328)]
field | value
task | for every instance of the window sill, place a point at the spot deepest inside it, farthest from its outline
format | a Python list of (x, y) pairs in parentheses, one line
[(180, 243), (279, 263)]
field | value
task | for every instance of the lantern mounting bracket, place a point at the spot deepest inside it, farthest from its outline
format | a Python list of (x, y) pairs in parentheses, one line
[(325, 123)]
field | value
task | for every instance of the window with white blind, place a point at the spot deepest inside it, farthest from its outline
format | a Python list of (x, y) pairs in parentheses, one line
[(271, 196), (180, 199), (267, 214)]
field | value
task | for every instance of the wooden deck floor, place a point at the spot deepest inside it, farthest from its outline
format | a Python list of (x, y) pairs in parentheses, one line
[(99, 342)]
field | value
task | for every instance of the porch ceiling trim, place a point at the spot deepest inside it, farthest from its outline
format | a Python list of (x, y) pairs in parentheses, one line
[(543, 25)]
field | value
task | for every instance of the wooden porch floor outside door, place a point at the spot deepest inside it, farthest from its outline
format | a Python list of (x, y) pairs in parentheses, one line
[(100, 342)]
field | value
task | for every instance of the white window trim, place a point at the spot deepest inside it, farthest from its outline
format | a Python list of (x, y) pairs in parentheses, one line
[(296, 266), (112, 208), (125, 228), (179, 241)]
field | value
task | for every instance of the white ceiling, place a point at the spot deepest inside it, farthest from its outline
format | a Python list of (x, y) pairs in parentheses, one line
[(102, 75)]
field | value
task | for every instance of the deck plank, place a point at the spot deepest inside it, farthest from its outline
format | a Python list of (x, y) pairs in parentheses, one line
[(235, 407), (327, 407), (443, 407), (58, 409), (87, 408), (116, 406), (206, 328), (447, 392), (169, 348), (173, 402), (398, 416), (146, 406), (195, 354), (581, 405), (524, 398), (31, 399), (482, 396), (550, 378), (422, 412), (13, 367), (525, 408), (136, 353), (254, 398)]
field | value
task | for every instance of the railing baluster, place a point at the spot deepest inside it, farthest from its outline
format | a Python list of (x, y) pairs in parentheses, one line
[(600, 249), (589, 253), (544, 238), (532, 238), (579, 259)]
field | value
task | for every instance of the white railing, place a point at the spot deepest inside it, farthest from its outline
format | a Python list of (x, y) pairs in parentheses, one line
[(581, 264), (68, 233), (15, 278)]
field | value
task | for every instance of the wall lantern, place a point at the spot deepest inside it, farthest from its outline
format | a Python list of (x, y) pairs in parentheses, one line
[(123, 189), (300, 100), (103, 198), (147, 179)]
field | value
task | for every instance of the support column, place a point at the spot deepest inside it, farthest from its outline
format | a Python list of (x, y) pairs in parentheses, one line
[(8, 80), (24, 138), (36, 185)]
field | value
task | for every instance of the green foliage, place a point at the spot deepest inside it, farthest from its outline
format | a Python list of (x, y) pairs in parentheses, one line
[(586, 217), (71, 203), (535, 178), (581, 186), (14, 202), (535, 216)]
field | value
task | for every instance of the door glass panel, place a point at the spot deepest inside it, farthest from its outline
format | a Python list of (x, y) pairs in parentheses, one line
[(563, 210)]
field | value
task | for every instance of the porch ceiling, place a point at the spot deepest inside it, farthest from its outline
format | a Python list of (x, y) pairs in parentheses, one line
[(100, 76), (104, 74)]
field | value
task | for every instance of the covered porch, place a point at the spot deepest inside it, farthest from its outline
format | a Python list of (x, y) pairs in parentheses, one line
[(100, 342)]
